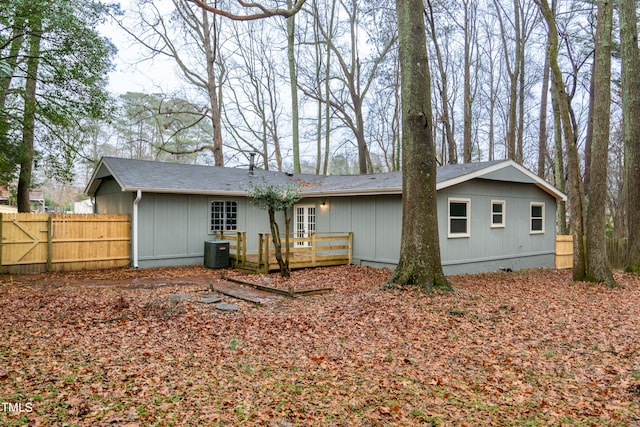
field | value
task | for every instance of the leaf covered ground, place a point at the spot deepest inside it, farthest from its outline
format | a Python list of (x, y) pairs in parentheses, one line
[(112, 347)]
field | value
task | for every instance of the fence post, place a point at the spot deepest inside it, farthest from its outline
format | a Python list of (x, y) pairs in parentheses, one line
[(243, 242), (49, 242)]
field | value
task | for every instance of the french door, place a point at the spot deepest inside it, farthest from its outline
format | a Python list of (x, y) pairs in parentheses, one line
[(304, 222)]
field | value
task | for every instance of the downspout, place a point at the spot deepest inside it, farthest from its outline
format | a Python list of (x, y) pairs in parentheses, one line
[(134, 229)]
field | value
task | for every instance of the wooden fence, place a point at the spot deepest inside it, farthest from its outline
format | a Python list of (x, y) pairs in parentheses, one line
[(616, 252), (564, 251), (33, 243)]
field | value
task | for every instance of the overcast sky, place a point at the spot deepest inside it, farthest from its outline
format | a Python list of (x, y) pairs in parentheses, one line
[(130, 74)]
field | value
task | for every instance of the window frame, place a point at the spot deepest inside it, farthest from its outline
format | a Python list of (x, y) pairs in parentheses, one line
[(532, 218), (467, 218), (503, 213), (229, 224)]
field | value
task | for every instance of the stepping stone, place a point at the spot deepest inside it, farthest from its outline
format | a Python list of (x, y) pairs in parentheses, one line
[(227, 307), (178, 297), (210, 300)]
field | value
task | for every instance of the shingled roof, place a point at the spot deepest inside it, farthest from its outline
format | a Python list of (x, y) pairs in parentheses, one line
[(162, 177)]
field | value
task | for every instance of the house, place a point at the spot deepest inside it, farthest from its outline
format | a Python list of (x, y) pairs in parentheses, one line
[(492, 215), (36, 197)]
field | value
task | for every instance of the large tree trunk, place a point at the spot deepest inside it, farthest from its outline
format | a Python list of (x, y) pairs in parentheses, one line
[(575, 181), (28, 129), (295, 136), (597, 263), (631, 126), (419, 262)]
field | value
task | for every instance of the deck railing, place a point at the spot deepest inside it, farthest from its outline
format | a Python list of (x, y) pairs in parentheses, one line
[(312, 250), (237, 245)]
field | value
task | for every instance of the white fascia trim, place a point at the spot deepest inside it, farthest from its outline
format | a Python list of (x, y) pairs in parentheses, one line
[(244, 193)]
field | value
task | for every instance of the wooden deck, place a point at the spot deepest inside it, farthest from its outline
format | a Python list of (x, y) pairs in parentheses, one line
[(316, 250)]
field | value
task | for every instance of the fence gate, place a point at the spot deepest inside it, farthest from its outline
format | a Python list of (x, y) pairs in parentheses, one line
[(33, 243), (24, 242)]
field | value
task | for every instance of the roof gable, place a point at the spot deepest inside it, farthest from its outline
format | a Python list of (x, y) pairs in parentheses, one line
[(161, 177)]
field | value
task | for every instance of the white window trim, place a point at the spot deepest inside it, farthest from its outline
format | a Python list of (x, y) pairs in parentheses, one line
[(531, 230), (211, 201), (504, 206), (468, 217)]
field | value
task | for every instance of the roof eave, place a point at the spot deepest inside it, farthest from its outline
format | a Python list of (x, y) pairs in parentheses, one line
[(94, 182), (346, 193), (186, 191)]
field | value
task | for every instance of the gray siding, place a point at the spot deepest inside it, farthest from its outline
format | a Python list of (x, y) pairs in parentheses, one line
[(376, 222), (110, 199), (173, 228), (487, 248)]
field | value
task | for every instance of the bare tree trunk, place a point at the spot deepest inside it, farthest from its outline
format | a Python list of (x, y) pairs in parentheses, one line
[(521, 95), (542, 135), (347, 94), (631, 126), (513, 70), (295, 134), (210, 47), (558, 165), (469, 28), (419, 262), (589, 139), (452, 151), (575, 181), (277, 244)]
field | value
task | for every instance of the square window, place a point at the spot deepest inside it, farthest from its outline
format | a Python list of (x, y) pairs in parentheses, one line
[(497, 213), (223, 215), (537, 218), (458, 221)]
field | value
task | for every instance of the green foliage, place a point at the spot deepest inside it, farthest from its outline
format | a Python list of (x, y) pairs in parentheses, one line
[(273, 197), (276, 198), (71, 80)]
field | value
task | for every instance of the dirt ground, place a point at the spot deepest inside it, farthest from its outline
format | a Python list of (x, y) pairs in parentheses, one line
[(127, 347)]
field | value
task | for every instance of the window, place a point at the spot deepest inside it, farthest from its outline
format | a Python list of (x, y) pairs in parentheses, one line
[(537, 218), (459, 217), (497, 213), (224, 215)]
